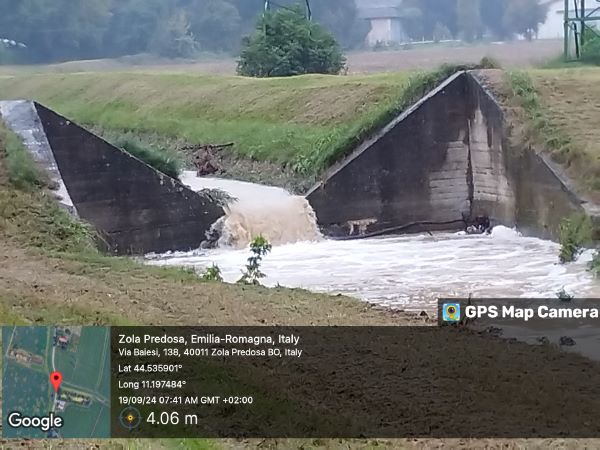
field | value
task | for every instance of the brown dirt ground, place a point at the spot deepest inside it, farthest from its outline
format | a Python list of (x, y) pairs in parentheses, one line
[(41, 289)]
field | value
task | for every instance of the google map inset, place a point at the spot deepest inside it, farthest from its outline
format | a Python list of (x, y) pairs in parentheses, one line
[(56, 382)]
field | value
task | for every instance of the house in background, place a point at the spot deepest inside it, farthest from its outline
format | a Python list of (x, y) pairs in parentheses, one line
[(553, 27), (385, 18)]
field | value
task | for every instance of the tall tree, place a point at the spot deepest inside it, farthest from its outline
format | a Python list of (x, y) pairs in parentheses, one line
[(468, 13), (491, 17), (524, 17), (56, 29), (215, 24), (338, 16), (173, 37), (134, 24), (431, 14)]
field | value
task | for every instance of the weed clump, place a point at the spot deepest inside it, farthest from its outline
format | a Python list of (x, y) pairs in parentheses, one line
[(212, 273), (575, 233), (20, 167), (163, 160), (489, 62)]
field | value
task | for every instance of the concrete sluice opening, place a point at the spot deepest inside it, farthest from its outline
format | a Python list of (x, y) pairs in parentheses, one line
[(282, 218)]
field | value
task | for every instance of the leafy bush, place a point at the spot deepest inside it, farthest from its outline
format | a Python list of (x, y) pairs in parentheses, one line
[(591, 49), (212, 273), (575, 233), (259, 247), (489, 62), (163, 160), (286, 43)]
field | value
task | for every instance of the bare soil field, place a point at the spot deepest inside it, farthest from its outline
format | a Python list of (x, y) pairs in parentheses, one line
[(509, 54)]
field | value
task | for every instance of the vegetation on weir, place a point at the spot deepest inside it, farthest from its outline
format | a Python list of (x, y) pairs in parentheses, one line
[(163, 159)]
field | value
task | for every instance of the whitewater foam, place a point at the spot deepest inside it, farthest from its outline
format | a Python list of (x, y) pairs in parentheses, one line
[(282, 218)]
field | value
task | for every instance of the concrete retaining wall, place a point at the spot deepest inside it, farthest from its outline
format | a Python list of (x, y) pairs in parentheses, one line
[(439, 166), (413, 174), (135, 208)]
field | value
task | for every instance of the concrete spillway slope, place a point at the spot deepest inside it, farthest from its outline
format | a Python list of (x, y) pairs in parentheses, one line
[(439, 166), (135, 208)]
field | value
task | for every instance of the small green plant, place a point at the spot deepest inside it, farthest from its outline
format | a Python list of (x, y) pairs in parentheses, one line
[(259, 247), (163, 160), (564, 296), (591, 49), (212, 273), (595, 264), (575, 233)]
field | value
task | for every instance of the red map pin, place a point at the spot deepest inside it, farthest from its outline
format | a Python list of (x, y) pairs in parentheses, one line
[(56, 379)]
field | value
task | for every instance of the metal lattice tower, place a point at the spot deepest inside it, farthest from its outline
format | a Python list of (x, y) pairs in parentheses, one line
[(579, 23)]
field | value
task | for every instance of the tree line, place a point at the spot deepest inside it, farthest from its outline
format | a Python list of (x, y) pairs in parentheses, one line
[(474, 19), (55, 30)]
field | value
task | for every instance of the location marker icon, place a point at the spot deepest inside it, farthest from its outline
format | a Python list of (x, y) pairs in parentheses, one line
[(55, 380)]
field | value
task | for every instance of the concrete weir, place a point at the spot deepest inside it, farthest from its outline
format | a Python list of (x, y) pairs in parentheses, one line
[(440, 165), (135, 208)]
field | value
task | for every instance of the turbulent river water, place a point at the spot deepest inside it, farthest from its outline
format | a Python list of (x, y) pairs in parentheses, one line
[(400, 272)]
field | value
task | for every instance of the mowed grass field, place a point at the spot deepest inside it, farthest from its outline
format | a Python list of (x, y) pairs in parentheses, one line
[(299, 121), (556, 111), (86, 423), (25, 390), (86, 366), (33, 340), (571, 98)]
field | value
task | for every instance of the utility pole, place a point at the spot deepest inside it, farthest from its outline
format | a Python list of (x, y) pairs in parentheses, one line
[(308, 10), (267, 8)]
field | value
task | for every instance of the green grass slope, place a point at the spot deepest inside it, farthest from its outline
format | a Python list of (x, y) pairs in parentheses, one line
[(303, 123), (562, 113)]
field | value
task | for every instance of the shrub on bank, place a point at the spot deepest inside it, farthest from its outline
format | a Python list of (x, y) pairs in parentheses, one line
[(286, 43), (591, 49), (575, 234)]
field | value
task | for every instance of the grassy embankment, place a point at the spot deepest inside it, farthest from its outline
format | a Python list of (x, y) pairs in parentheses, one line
[(561, 112), (555, 110), (303, 123)]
